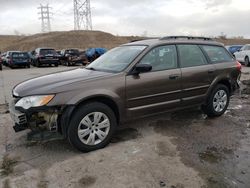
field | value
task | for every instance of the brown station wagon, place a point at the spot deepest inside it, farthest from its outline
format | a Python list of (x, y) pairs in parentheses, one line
[(134, 80)]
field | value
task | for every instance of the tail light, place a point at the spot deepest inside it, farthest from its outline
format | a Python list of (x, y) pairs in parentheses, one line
[(238, 65)]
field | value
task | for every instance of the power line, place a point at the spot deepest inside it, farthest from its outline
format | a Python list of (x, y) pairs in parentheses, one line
[(82, 15), (45, 16)]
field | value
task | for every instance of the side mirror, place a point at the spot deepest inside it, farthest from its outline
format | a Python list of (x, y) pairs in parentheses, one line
[(140, 68)]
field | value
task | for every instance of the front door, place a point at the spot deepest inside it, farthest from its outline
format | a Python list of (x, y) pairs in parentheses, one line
[(158, 90)]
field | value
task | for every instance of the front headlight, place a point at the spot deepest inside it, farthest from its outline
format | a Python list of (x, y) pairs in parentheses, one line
[(34, 101)]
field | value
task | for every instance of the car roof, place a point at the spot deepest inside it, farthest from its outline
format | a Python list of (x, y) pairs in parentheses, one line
[(175, 40), (44, 48), (12, 51)]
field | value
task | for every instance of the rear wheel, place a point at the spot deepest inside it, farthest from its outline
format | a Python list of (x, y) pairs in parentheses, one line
[(28, 66), (92, 127), (218, 101), (1, 67), (247, 61)]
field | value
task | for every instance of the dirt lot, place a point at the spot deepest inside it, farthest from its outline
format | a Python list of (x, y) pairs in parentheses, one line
[(178, 150)]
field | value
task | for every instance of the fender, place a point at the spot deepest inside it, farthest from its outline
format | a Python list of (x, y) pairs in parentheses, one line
[(221, 79), (88, 96)]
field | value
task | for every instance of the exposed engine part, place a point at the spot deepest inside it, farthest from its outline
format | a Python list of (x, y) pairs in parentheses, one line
[(45, 121)]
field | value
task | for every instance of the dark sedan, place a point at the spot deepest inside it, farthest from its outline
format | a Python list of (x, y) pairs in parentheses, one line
[(19, 59)]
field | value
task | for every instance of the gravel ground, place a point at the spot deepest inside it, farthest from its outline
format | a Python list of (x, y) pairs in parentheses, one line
[(177, 150)]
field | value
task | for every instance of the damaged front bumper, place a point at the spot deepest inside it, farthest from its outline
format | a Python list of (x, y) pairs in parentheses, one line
[(42, 119)]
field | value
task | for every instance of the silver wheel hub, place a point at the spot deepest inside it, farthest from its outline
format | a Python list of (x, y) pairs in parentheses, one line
[(93, 128), (220, 100)]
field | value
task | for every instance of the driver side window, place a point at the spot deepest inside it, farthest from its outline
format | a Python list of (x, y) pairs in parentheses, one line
[(161, 58)]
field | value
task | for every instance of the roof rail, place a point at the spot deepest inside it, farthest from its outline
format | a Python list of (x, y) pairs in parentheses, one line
[(148, 38), (186, 37)]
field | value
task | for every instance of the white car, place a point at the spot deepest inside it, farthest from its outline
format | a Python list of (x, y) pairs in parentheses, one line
[(243, 55)]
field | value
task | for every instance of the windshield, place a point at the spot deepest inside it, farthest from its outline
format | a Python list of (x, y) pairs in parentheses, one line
[(47, 52), (20, 55), (117, 59)]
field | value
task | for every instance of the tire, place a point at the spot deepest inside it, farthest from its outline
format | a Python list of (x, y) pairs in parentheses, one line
[(1, 67), (56, 64), (37, 64), (247, 63), (28, 66), (211, 109), (87, 111)]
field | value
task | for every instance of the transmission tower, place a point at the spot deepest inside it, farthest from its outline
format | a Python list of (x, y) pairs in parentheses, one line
[(82, 15), (45, 16)]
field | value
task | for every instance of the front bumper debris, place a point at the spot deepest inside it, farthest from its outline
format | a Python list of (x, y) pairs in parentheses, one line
[(18, 117), (37, 120)]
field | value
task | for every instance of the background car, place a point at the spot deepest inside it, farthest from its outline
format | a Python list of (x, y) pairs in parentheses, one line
[(243, 55), (59, 55), (71, 57), (19, 59), (3, 56), (31, 56), (1, 66), (93, 53), (6, 57), (234, 48), (84, 58), (45, 56)]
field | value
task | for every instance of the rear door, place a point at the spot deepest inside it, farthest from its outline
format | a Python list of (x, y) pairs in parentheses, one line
[(223, 61), (158, 90), (197, 74)]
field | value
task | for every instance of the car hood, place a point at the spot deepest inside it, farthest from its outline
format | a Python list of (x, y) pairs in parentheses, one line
[(53, 83)]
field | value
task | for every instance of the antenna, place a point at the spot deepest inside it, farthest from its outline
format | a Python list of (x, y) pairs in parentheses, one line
[(45, 16), (82, 15)]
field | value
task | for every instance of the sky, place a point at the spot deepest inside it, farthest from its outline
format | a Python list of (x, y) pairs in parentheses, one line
[(134, 17)]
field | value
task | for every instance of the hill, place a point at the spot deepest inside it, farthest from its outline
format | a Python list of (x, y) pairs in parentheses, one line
[(75, 39), (60, 40)]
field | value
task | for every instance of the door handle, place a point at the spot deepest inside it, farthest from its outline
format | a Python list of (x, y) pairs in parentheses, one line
[(173, 77), (210, 71)]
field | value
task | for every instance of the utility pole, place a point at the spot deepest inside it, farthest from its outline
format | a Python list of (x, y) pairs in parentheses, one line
[(45, 16), (82, 15)]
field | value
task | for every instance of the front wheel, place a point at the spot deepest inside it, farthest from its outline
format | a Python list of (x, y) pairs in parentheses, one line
[(217, 102), (92, 127)]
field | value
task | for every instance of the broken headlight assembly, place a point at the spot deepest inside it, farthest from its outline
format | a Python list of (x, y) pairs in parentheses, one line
[(34, 101)]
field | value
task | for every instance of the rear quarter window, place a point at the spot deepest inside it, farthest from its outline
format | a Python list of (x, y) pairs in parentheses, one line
[(217, 54)]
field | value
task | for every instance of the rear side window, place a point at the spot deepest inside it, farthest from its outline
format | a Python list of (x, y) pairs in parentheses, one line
[(191, 56), (217, 54)]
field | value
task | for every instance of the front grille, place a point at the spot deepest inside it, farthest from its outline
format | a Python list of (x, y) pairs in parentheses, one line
[(22, 119)]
